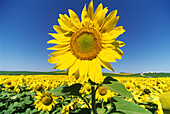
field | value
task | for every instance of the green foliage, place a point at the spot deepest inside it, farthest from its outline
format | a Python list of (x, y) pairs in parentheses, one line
[(12, 102), (115, 86), (128, 107), (155, 75), (64, 90)]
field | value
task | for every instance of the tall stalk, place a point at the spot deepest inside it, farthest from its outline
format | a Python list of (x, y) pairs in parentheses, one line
[(93, 100)]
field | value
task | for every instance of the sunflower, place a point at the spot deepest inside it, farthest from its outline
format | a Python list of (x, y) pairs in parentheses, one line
[(103, 94), (87, 88), (84, 46), (37, 87), (9, 83), (45, 101)]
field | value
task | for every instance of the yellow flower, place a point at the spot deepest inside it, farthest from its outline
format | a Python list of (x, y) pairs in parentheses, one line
[(45, 101), (84, 46), (87, 88), (9, 83), (65, 110), (37, 87), (103, 94), (129, 86)]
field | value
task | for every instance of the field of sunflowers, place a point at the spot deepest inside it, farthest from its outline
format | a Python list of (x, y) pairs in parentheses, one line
[(28, 94)]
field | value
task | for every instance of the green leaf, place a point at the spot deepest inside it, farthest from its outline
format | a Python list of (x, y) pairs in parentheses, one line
[(58, 91), (35, 111), (66, 90), (101, 110), (115, 86), (28, 102), (72, 90), (2, 104), (56, 111), (129, 107), (16, 104), (28, 111), (108, 80), (10, 110)]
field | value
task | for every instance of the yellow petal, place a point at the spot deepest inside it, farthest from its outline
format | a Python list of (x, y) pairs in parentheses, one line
[(62, 24), (58, 29), (107, 27), (66, 62), (58, 52), (99, 19), (39, 93), (40, 107), (108, 46), (61, 58), (118, 44), (108, 19), (58, 58), (95, 72), (105, 64), (91, 9), (54, 41), (74, 18), (60, 37), (111, 16), (92, 70), (113, 34), (107, 41), (83, 68), (49, 107), (74, 67), (66, 22), (115, 54), (106, 55), (55, 58), (85, 17), (119, 51), (98, 9), (59, 47)]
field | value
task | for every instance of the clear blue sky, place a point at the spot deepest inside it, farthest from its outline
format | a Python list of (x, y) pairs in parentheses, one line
[(25, 24)]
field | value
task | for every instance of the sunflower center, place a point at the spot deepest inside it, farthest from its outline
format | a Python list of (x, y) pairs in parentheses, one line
[(39, 87), (86, 44), (9, 83), (47, 100), (102, 91)]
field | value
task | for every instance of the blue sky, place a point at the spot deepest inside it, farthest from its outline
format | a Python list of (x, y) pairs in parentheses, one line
[(25, 24)]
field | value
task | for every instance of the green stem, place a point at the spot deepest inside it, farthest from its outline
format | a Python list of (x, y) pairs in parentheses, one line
[(85, 101), (93, 100)]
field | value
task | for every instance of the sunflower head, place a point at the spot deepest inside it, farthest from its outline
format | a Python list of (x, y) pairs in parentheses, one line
[(104, 94), (45, 101), (9, 83), (102, 91), (84, 46)]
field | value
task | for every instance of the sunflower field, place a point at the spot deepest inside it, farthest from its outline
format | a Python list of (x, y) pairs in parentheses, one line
[(82, 47), (32, 94)]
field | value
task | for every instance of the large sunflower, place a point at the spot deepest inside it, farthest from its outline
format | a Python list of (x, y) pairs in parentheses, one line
[(83, 47)]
